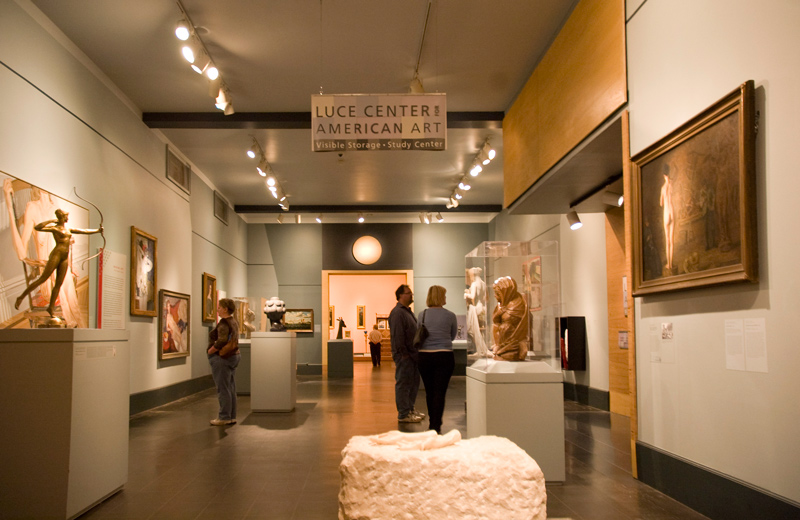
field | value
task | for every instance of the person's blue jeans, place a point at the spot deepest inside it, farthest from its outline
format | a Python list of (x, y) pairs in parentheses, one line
[(223, 372), (406, 383)]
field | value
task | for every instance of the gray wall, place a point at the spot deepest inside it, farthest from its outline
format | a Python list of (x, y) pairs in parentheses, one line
[(288, 258), (65, 126)]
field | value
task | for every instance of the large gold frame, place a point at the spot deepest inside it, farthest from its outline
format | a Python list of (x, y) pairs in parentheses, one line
[(708, 168)]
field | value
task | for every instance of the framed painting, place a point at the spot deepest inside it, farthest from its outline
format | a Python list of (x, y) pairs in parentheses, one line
[(360, 320), (179, 172), (299, 320), (382, 320), (173, 324), (331, 314), (220, 208), (144, 273), (209, 292), (694, 201)]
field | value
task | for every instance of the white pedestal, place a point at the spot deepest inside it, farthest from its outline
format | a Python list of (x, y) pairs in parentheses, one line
[(524, 402), (65, 408), (273, 370)]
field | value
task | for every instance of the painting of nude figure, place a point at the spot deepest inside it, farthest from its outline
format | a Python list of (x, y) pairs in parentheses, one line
[(24, 253), (694, 201)]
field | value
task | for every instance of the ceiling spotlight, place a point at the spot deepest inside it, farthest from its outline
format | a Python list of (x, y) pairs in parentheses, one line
[(439, 217), (212, 72), (487, 153), (214, 86), (457, 195), (475, 169), (612, 199), (182, 30), (251, 153), (223, 99), (190, 50), (319, 218), (427, 218), (574, 220), (228, 111), (452, 202), (464, 184), (360, 217), (284, 204), (280, 218), (421, 217), (271, 181), (298, 219), (201, 61)]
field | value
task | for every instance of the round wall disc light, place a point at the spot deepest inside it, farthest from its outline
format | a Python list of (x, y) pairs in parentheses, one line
[(367, 250)]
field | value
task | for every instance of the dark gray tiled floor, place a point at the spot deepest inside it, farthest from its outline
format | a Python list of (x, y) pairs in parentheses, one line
[(285, 465)]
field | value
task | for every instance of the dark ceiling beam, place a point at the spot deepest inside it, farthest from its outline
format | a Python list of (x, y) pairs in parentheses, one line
[(377, 208), (289, 120)]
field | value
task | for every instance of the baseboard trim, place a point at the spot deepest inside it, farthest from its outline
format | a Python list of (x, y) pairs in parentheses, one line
[(309, 369), (587, 395), (150, 399), (708, 492)]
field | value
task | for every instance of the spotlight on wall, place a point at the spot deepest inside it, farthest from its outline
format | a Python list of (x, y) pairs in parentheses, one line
[(319, 218), (280, 218), (613, 199), (360, 218), (574, 220)]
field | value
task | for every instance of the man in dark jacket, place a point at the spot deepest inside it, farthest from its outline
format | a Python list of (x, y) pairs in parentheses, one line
[(403, 326)]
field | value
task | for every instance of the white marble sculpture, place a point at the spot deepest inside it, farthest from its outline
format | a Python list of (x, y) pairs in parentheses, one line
[(406, 476), (475, 297)]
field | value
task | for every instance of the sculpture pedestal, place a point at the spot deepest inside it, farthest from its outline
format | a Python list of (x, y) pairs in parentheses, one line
[(242, 376), (66, 399), (521, 401), (273, 369), (340, 358)]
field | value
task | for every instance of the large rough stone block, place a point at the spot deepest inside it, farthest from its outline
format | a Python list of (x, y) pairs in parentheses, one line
[(485, 478)]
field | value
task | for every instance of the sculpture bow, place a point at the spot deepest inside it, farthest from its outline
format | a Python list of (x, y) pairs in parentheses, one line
[(102, 233)]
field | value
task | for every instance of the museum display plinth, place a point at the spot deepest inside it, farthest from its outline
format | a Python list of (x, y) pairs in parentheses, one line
[(460, 348), (66, 402), (523, 402), (242, 376), (340, 358), (273, 371)]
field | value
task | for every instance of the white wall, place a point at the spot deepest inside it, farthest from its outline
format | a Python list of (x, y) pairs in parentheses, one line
[(114, 160), (583, 279), (683, 56)]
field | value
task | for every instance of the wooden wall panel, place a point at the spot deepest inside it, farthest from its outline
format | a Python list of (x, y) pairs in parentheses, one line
[(578, 84), (616, 268)]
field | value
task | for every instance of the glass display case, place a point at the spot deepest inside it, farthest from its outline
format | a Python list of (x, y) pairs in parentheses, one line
[(513, 303)]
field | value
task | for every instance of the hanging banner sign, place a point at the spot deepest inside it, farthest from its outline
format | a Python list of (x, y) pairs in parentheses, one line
[(374, 122)]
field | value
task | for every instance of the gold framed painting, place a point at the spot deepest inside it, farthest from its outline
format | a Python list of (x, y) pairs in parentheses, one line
[(173, 324), (144, 273), (299, 320), (360, 319), (209, 292), (694, 201), (331, 314)]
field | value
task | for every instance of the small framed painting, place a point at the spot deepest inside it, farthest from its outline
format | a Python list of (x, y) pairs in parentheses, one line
[(331, 314), (179, 172), (144, 273), (173, 324), (299, 320), (360, 317), (209, 293)]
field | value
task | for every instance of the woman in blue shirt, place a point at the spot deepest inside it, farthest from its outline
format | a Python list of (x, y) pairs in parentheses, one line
[(436, 361)]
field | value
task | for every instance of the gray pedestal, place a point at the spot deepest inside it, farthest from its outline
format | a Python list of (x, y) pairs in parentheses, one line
[(460, 355), (64, 440), (340, 358), (524, 402), (243, 370), (273, 372)]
